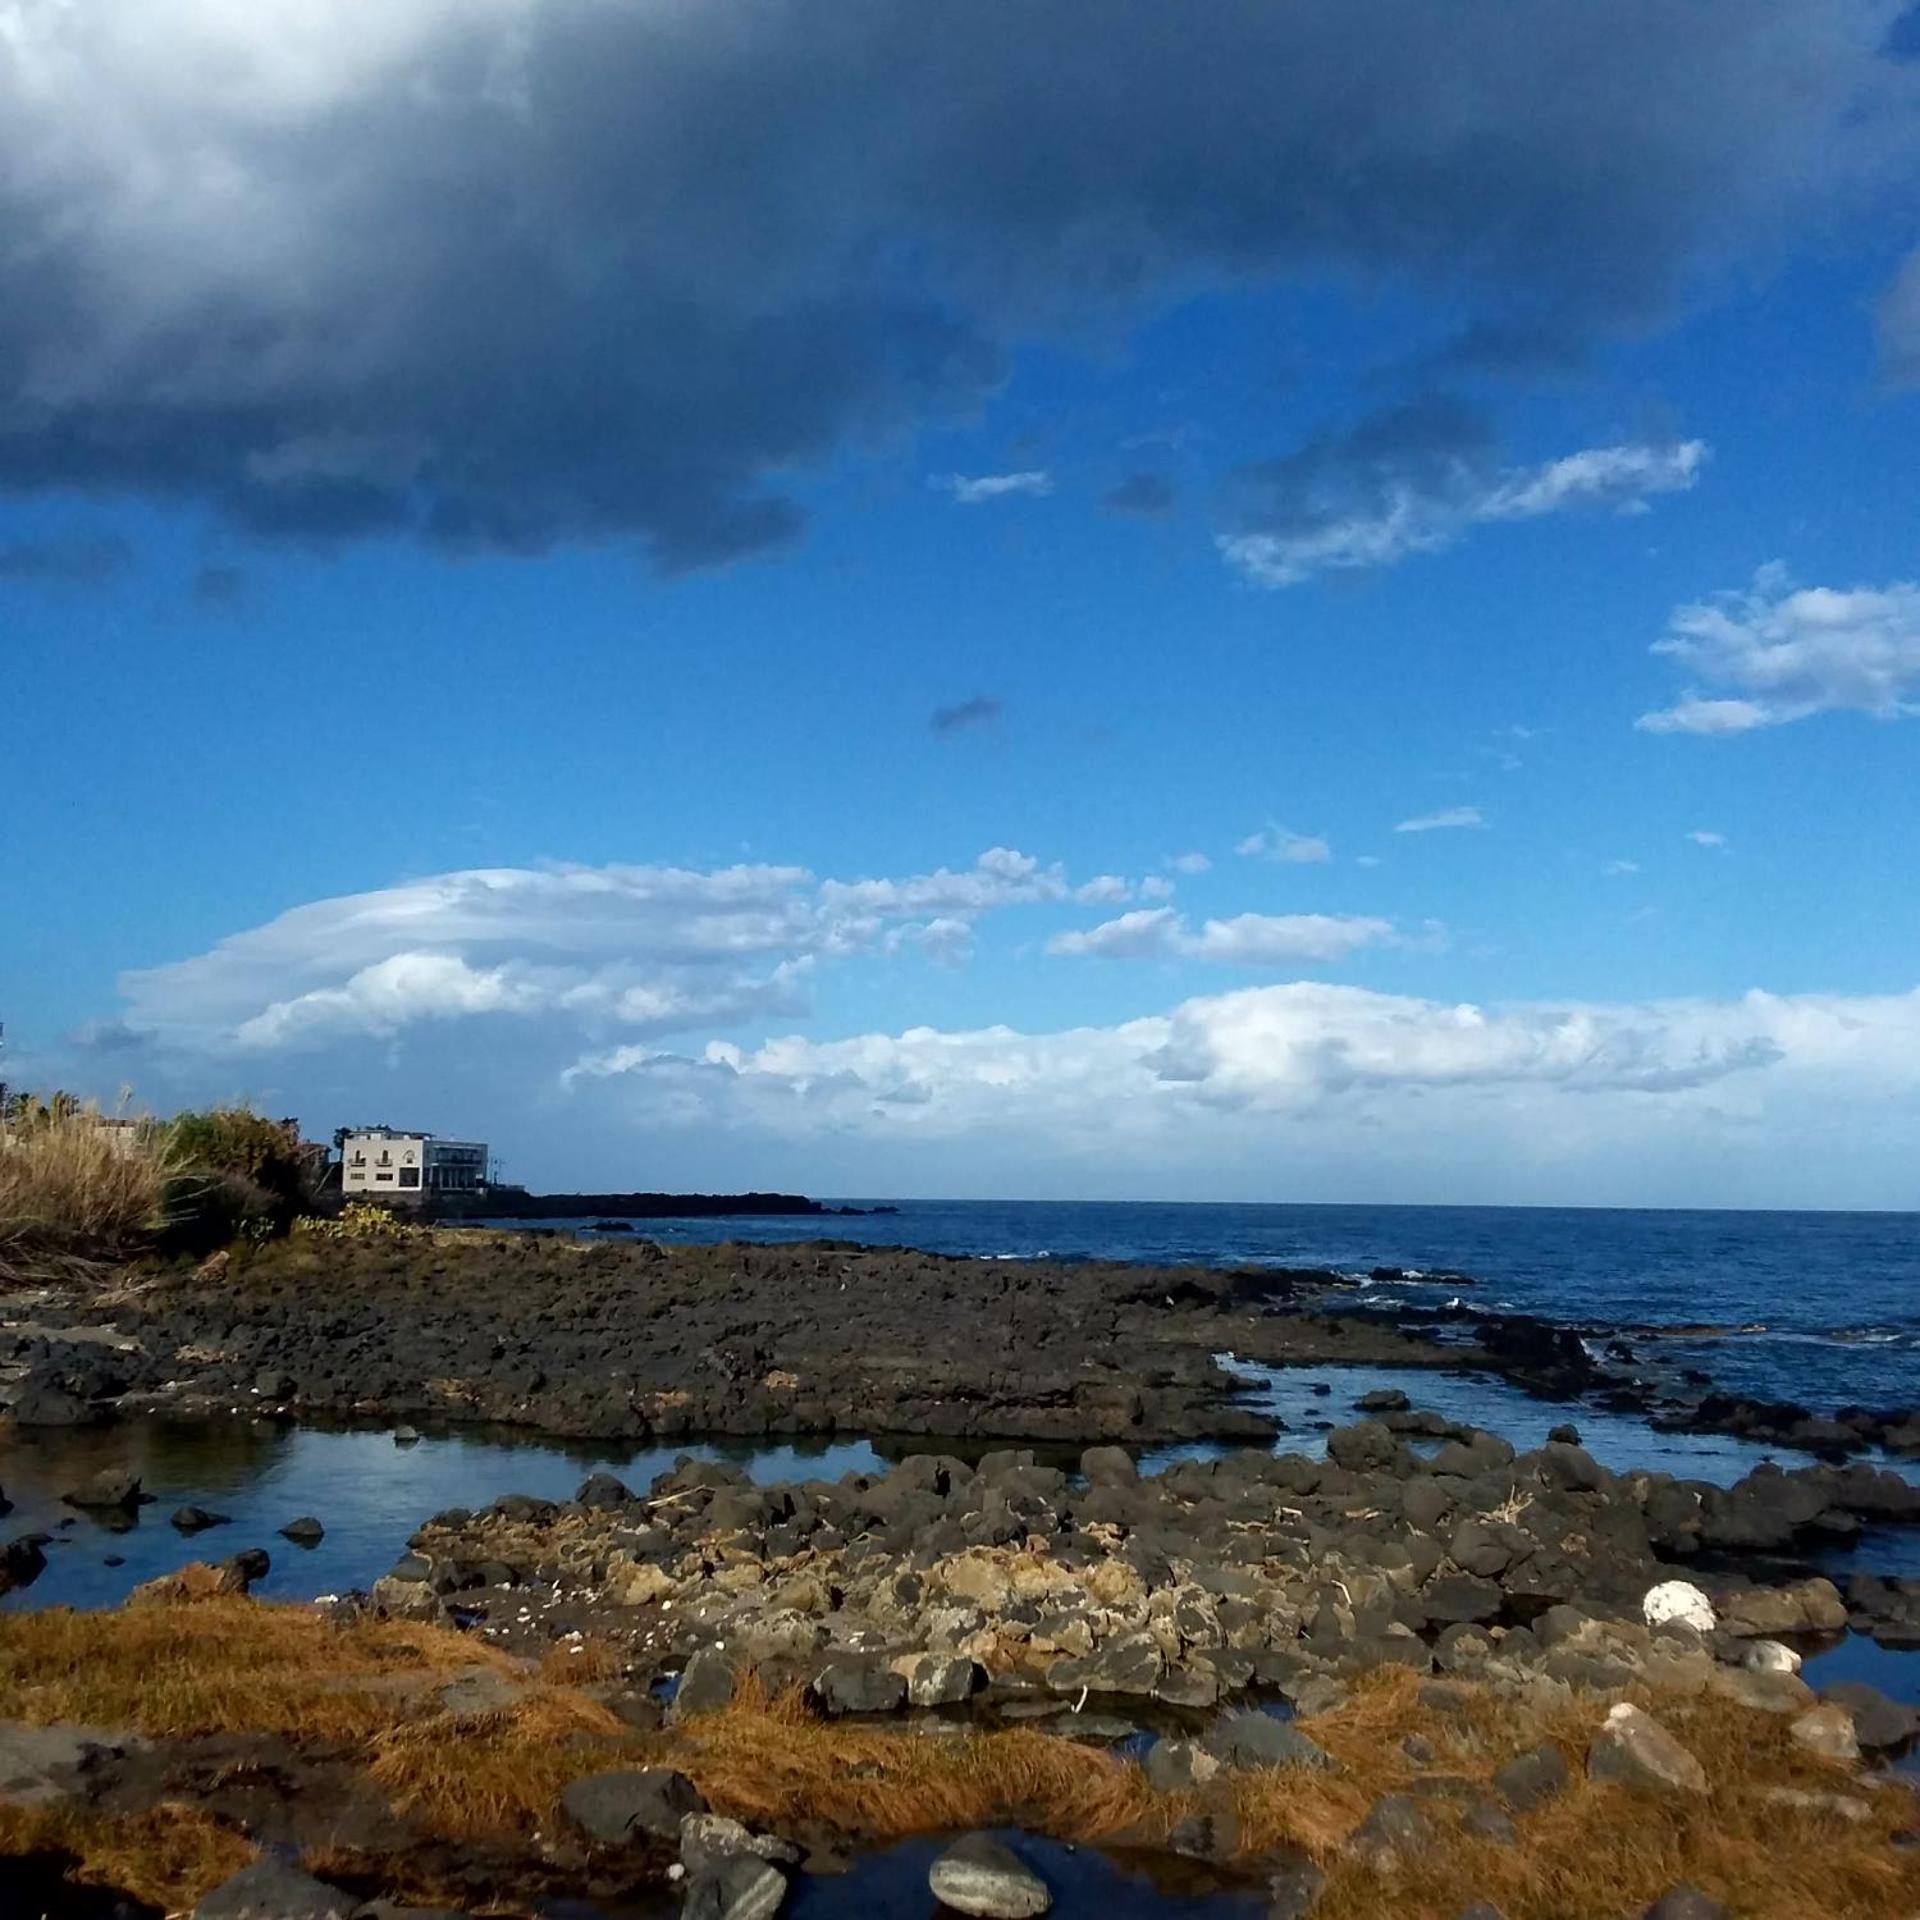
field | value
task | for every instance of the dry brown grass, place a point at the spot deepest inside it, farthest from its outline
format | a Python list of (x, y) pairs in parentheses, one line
[(223, 1665), (766, 1759), (233, 1665), (170, 1855), (76, 1195), (1596, 1849), (504, 1775)]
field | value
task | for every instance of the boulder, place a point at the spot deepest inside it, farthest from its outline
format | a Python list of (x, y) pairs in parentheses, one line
[(622, 1806), (304, 1532), (21, 1560), (1364, 1447), (1678, 1600), (478, 1693), (272, 1890), (1488, 1820), (41, 1403), (1763, 1691), (1635, 1749), (111, 1489), (706, 1684), (1769, 1656), (706, 1839), (1109, 1467), (196, 1519), (937, 1679), (1178, 1766), (1468, 1459), (1878, 1723), (1252, 1739), (1461, 1597), (1685, 1903), (740, 1887), (1128, 1663), (980, 1875), (1294, 1891), (1532, 1778), (1394, 1832), (42, 1764), (1813, 1606), (1826, 1732), (602, 1491), (858, 1686)]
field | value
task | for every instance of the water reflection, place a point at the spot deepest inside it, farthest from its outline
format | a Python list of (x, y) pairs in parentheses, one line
[(367, 1491)]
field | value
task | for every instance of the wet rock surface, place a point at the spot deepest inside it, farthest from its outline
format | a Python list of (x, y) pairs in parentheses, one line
[(638, 1341)]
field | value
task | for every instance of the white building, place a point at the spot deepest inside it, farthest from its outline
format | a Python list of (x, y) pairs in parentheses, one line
[(382, 1162)]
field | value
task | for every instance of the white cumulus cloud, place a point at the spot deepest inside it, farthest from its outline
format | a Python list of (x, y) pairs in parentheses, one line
[(1777, 653)]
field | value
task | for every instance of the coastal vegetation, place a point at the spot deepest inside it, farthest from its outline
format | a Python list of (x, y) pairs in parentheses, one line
[(444, 1793), (83, 1190)]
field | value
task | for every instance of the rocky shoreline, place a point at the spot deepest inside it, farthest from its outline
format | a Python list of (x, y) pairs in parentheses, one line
[(637, 1341), (1415, 1666)]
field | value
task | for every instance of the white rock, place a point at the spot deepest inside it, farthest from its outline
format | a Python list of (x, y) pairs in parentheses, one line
[(1678, 1600), (1770, 1656)]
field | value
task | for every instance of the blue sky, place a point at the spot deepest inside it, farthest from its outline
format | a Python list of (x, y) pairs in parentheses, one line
[(1320, 463)]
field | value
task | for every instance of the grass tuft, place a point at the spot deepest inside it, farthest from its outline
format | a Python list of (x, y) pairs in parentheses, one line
[(224, 1665), (167, 1856), (79, 1189), (766, 1759)]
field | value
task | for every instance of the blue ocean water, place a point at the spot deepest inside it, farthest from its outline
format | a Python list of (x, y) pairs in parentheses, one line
[(1822, 1308)]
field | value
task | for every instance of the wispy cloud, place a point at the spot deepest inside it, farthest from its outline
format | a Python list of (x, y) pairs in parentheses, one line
[(1778, 653), (1415, 479), (1282, 844), (983, 710), (1706, 837), (1617, 867), (1443, 821), (975, 489), (1189, 862), (1245, 940)]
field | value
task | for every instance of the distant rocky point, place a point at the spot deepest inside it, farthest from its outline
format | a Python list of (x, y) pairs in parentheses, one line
[(513, 1204)]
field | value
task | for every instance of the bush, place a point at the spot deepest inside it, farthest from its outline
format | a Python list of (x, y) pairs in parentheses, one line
[(78, 1188), (362, 1220), (238, 1175)]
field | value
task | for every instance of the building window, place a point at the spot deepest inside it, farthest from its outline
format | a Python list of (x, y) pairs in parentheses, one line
[(409, 1176), (383, 1176), (359, 1159)]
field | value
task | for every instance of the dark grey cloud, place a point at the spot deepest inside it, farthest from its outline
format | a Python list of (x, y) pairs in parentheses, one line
[(508, 275), (67, 562), (1146, 494), (219, 586), (983, 710)]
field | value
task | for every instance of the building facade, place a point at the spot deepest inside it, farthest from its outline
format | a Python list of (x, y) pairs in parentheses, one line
[(389, 1164)]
